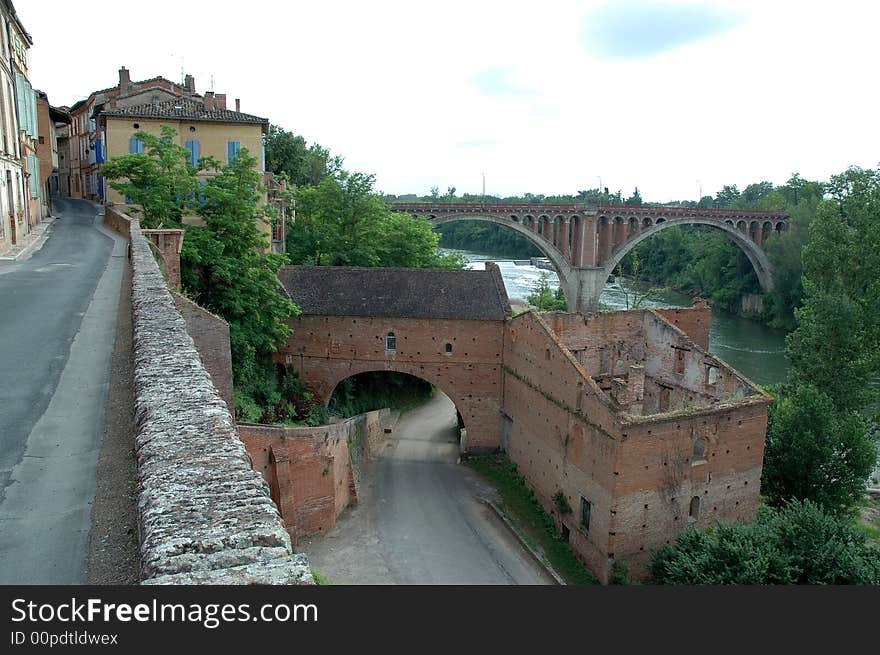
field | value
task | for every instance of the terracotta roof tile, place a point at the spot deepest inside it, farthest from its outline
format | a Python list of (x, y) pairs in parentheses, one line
[(394, 292), (188, 109)]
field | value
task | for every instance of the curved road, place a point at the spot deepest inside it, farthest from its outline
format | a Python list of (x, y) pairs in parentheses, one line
[(419, 519), (57, 330)]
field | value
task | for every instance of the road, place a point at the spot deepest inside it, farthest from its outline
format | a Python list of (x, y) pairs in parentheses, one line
[(58, 314), (420, 520)]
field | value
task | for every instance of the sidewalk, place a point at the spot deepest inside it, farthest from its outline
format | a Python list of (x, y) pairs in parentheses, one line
[(31, 242)]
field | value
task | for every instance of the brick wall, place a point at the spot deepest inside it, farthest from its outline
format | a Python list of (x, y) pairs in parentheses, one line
[(639, 473), (168, 244), (694, 321), (314, 472), (117, 221), (205, 517), (325, 350)]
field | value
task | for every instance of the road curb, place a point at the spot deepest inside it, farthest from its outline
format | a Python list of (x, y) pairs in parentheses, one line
[(534, 555), (35, 243)]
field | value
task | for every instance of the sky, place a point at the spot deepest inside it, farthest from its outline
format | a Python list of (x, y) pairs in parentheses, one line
[(551, 97)]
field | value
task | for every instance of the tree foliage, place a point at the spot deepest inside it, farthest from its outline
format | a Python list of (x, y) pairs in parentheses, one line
[(815, 453), (545, 298), (160, 181), (796, 544), (304, 165), (343, 222)]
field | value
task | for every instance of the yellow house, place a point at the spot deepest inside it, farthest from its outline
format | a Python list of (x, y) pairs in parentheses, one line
[(203, 125)]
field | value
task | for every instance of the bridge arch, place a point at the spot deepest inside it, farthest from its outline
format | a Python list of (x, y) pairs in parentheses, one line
[(545, 245), (739, 234)]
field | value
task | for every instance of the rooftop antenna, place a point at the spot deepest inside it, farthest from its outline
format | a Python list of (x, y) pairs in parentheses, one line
[(484, 187)]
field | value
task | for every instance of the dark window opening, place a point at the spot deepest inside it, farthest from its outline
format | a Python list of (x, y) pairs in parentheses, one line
[(448, 348), (694, 512), (586, 508), (700, 447), (391, 341)]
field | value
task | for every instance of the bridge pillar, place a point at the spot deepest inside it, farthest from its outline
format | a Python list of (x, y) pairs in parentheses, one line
[(588, 253), (582, 288)]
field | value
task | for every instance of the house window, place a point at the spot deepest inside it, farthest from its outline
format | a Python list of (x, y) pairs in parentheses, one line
[(193, 147), (665, 393), (448, 348), (586, 508), (391, 342), (694, 512), (135, 146), (232, 148)]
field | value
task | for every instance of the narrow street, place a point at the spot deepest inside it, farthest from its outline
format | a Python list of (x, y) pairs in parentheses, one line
[(420, 520), (58, 312)]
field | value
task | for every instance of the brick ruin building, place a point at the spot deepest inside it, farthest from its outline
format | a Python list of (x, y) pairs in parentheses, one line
[(624, 425)]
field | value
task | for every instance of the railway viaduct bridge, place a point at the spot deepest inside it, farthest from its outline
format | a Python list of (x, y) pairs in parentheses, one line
[(585, 243)]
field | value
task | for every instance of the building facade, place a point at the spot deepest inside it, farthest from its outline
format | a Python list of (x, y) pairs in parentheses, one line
[(204, 126), (15, 191), (86, 147)]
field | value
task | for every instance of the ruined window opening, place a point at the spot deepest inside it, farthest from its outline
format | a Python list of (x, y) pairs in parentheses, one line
[(391, 342), (700, 447), (565, 533), (664, 398), (586, 509), (711, 375), (694, 512), (679, 360), (448, 348)]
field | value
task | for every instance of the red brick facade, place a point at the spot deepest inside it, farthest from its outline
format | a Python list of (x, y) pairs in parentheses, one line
[(324, 350)]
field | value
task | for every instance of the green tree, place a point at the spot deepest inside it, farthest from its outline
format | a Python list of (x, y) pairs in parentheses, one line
[(814, 453), (304, 165), (796, 544), (545, 298), (343, 222), (227, 267), (635, 198), (160, 181)]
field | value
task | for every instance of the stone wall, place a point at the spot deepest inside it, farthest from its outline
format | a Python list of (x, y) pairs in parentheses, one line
[(694, 321), (324, 350), (210, 333), (205, 516), (315, 472), (117, 221)]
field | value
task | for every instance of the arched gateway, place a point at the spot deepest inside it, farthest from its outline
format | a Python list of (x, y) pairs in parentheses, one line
[(585, 243), (445, 327)]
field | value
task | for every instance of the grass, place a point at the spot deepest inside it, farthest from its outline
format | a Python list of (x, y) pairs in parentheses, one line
[(520, 505), (869, 520), (320, 579)]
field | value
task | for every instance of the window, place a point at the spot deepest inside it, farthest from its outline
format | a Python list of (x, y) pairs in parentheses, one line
[(135, 146), (679, 360), (700, 446), (711, 375), (232, 148), (391, 342), (586, 508), (193, 147), (665, 393), (694, 512), (448, 348)]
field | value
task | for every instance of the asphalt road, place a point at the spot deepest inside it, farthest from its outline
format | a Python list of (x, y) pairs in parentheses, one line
[(58, 314), (420, 520)]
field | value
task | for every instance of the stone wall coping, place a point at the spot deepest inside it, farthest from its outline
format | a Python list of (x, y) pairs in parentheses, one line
[(205, 517)]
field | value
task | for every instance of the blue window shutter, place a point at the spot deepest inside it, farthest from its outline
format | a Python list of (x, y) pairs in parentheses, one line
[(133, 145), (140, 147), (232, 148), (193, 147)]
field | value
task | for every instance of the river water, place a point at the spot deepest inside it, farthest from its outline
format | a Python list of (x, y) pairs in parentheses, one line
[(755, 350)]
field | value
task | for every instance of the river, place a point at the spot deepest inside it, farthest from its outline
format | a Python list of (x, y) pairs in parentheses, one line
[(755, 350)]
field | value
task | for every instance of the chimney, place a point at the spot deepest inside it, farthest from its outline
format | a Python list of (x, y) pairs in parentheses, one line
[(220, 101), (190, 83), (209, 101), (124, 79), (238, 104)]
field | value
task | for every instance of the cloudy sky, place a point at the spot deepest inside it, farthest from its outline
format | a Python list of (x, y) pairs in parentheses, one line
[(545, 97)]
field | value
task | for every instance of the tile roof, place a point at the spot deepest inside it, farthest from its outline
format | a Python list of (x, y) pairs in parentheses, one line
[(188, 109), (394, 292)]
